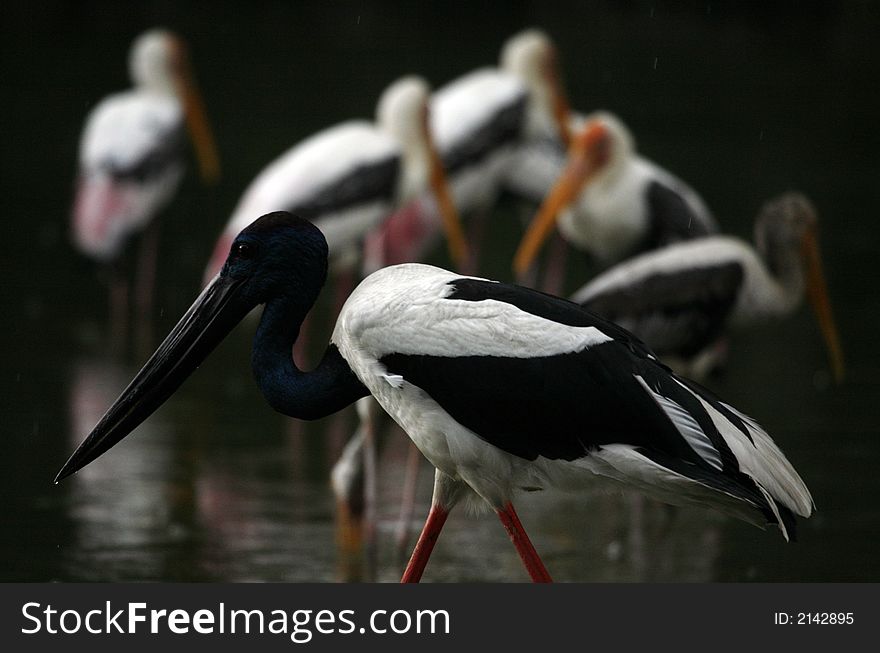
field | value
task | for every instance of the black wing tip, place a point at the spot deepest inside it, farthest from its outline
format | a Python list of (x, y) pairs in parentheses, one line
[(789, 523)]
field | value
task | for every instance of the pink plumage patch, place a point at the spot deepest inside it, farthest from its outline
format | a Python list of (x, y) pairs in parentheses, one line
[(104, 213), (407, 233)]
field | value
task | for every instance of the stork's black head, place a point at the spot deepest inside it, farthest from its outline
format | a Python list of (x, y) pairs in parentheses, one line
[(278, 254)]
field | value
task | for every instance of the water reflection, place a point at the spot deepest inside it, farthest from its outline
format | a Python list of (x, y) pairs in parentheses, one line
[(164, 506), (170, 505), (133, 513)]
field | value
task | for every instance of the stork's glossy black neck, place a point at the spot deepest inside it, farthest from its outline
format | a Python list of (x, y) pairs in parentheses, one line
[(327, 389)]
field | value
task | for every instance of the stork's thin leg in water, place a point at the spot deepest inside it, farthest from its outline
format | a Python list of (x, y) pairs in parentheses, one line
[(523, 544), (425, 545), (146, 288), (447, 492), (367, 409), (408, 501), (346, 480), (476, 235), (118, 309), (354, 481)]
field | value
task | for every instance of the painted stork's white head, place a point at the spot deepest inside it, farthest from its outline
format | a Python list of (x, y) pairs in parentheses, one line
[(402, 112), (158, 63), (599, 154), (153, 61), (533, 58), (787, 237)]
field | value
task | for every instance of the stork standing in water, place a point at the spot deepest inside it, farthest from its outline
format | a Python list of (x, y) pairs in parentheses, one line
[(680, 300), (488, 379), (131, 161), (482, 123), (612, 203)]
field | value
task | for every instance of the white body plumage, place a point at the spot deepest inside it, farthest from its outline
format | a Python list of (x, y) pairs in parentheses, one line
[(408, 310)]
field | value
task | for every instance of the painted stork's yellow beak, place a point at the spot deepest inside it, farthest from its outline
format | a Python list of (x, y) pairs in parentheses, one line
[(455, 239), (817, 293), (196, 116), (588, 153)]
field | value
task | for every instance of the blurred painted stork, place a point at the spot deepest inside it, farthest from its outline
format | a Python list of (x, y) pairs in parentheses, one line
[(488, 379), (613, 203), (482, 123), (681, 299), (132, 158), (349, 178)]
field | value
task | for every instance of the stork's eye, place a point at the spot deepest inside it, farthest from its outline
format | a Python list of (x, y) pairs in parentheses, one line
[(243, 250)]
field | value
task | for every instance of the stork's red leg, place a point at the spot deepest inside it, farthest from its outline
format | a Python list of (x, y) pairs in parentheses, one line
[(524, 547), (430, 532)]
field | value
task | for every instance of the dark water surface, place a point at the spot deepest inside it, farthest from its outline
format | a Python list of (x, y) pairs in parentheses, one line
[(743, 102)]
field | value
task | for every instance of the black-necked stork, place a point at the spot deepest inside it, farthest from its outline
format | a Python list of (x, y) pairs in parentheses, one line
[(482, 123), (501, 387), (131, 152), (681, 299), (613, 203), (350, 177)]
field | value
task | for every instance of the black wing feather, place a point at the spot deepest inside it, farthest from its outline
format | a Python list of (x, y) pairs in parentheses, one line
[(675, 313), (502, 127), (376, 180), (558, 407), (671, 218)]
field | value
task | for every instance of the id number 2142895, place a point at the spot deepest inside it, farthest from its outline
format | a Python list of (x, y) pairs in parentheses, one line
[(813, 618)]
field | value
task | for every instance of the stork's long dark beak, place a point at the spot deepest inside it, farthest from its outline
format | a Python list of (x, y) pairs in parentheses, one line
[(211, 317)]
